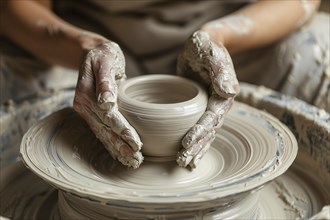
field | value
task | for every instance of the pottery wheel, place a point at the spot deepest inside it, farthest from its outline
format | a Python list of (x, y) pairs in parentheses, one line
[(39, 200), (251, 149)]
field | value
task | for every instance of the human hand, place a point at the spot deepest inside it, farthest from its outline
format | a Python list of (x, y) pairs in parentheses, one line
[(211, 64), (96, 102)]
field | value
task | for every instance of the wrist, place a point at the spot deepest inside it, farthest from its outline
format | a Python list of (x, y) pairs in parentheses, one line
[(230, 31), (216, 32), (88, 41)]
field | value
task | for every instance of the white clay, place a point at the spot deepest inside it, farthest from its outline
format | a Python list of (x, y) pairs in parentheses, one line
[(309, 8), (102, 115), (251, 149), (162, 109), (238, 23)]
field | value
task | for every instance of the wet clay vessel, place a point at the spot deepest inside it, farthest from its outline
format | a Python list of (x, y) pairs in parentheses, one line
[(162, 108)]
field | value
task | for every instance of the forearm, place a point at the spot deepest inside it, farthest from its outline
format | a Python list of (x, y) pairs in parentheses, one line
[(260, 24), (38, 30)]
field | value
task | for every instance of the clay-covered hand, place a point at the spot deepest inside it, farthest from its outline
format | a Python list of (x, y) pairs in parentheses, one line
[(96, 101), (210, 64)]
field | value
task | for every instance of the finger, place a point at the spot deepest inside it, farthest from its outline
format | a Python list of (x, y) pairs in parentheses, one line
[(85, 84), (133, 160), (109, 115), (108, 65), (118, 59), (124, 153), (106, 87), (211, 62), (196, 160), (110, 118), (199, 130), (191, 62), (218, 105), (222, 73), (185, 156), (112, 142), (212, 118), (121, 127), (84, 107)]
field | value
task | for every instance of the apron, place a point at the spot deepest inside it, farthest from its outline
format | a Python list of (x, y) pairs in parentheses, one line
[(151, 33)]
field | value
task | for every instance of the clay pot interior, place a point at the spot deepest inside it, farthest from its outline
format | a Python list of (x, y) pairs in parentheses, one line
[(162, 108)]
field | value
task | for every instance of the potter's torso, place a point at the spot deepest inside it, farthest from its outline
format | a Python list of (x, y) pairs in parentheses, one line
[(151, 32)]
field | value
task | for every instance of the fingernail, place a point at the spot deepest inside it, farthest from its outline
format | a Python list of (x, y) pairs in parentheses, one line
[(183, 161), (236, 88), (107, 96), (135, 144), (133, 160), (233, 89), (125, 150), (132, 139), (195, 161), (106, 100), (187, 140), (193, 135), (193, 164)]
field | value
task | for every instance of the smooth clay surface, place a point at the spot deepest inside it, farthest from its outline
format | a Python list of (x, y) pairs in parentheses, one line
[(162, 108), (251, 149), (294, 195)]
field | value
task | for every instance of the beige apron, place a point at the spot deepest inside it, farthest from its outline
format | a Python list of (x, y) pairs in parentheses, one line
[(150, 32)]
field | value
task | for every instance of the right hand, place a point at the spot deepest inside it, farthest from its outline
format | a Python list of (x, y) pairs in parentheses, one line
[(96, 102), (209, 64)]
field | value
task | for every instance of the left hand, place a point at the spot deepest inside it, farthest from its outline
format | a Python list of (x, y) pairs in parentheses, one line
[(96, 102), (210, 63)]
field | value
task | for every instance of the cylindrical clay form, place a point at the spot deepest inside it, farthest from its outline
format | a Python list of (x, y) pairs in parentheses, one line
[(162, 108)]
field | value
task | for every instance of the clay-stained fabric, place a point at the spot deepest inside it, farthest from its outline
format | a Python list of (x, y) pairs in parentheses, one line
[(152, 32), (297, 65)]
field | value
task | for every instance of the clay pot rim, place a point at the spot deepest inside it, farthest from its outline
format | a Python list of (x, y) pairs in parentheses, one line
[(190, 105)]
